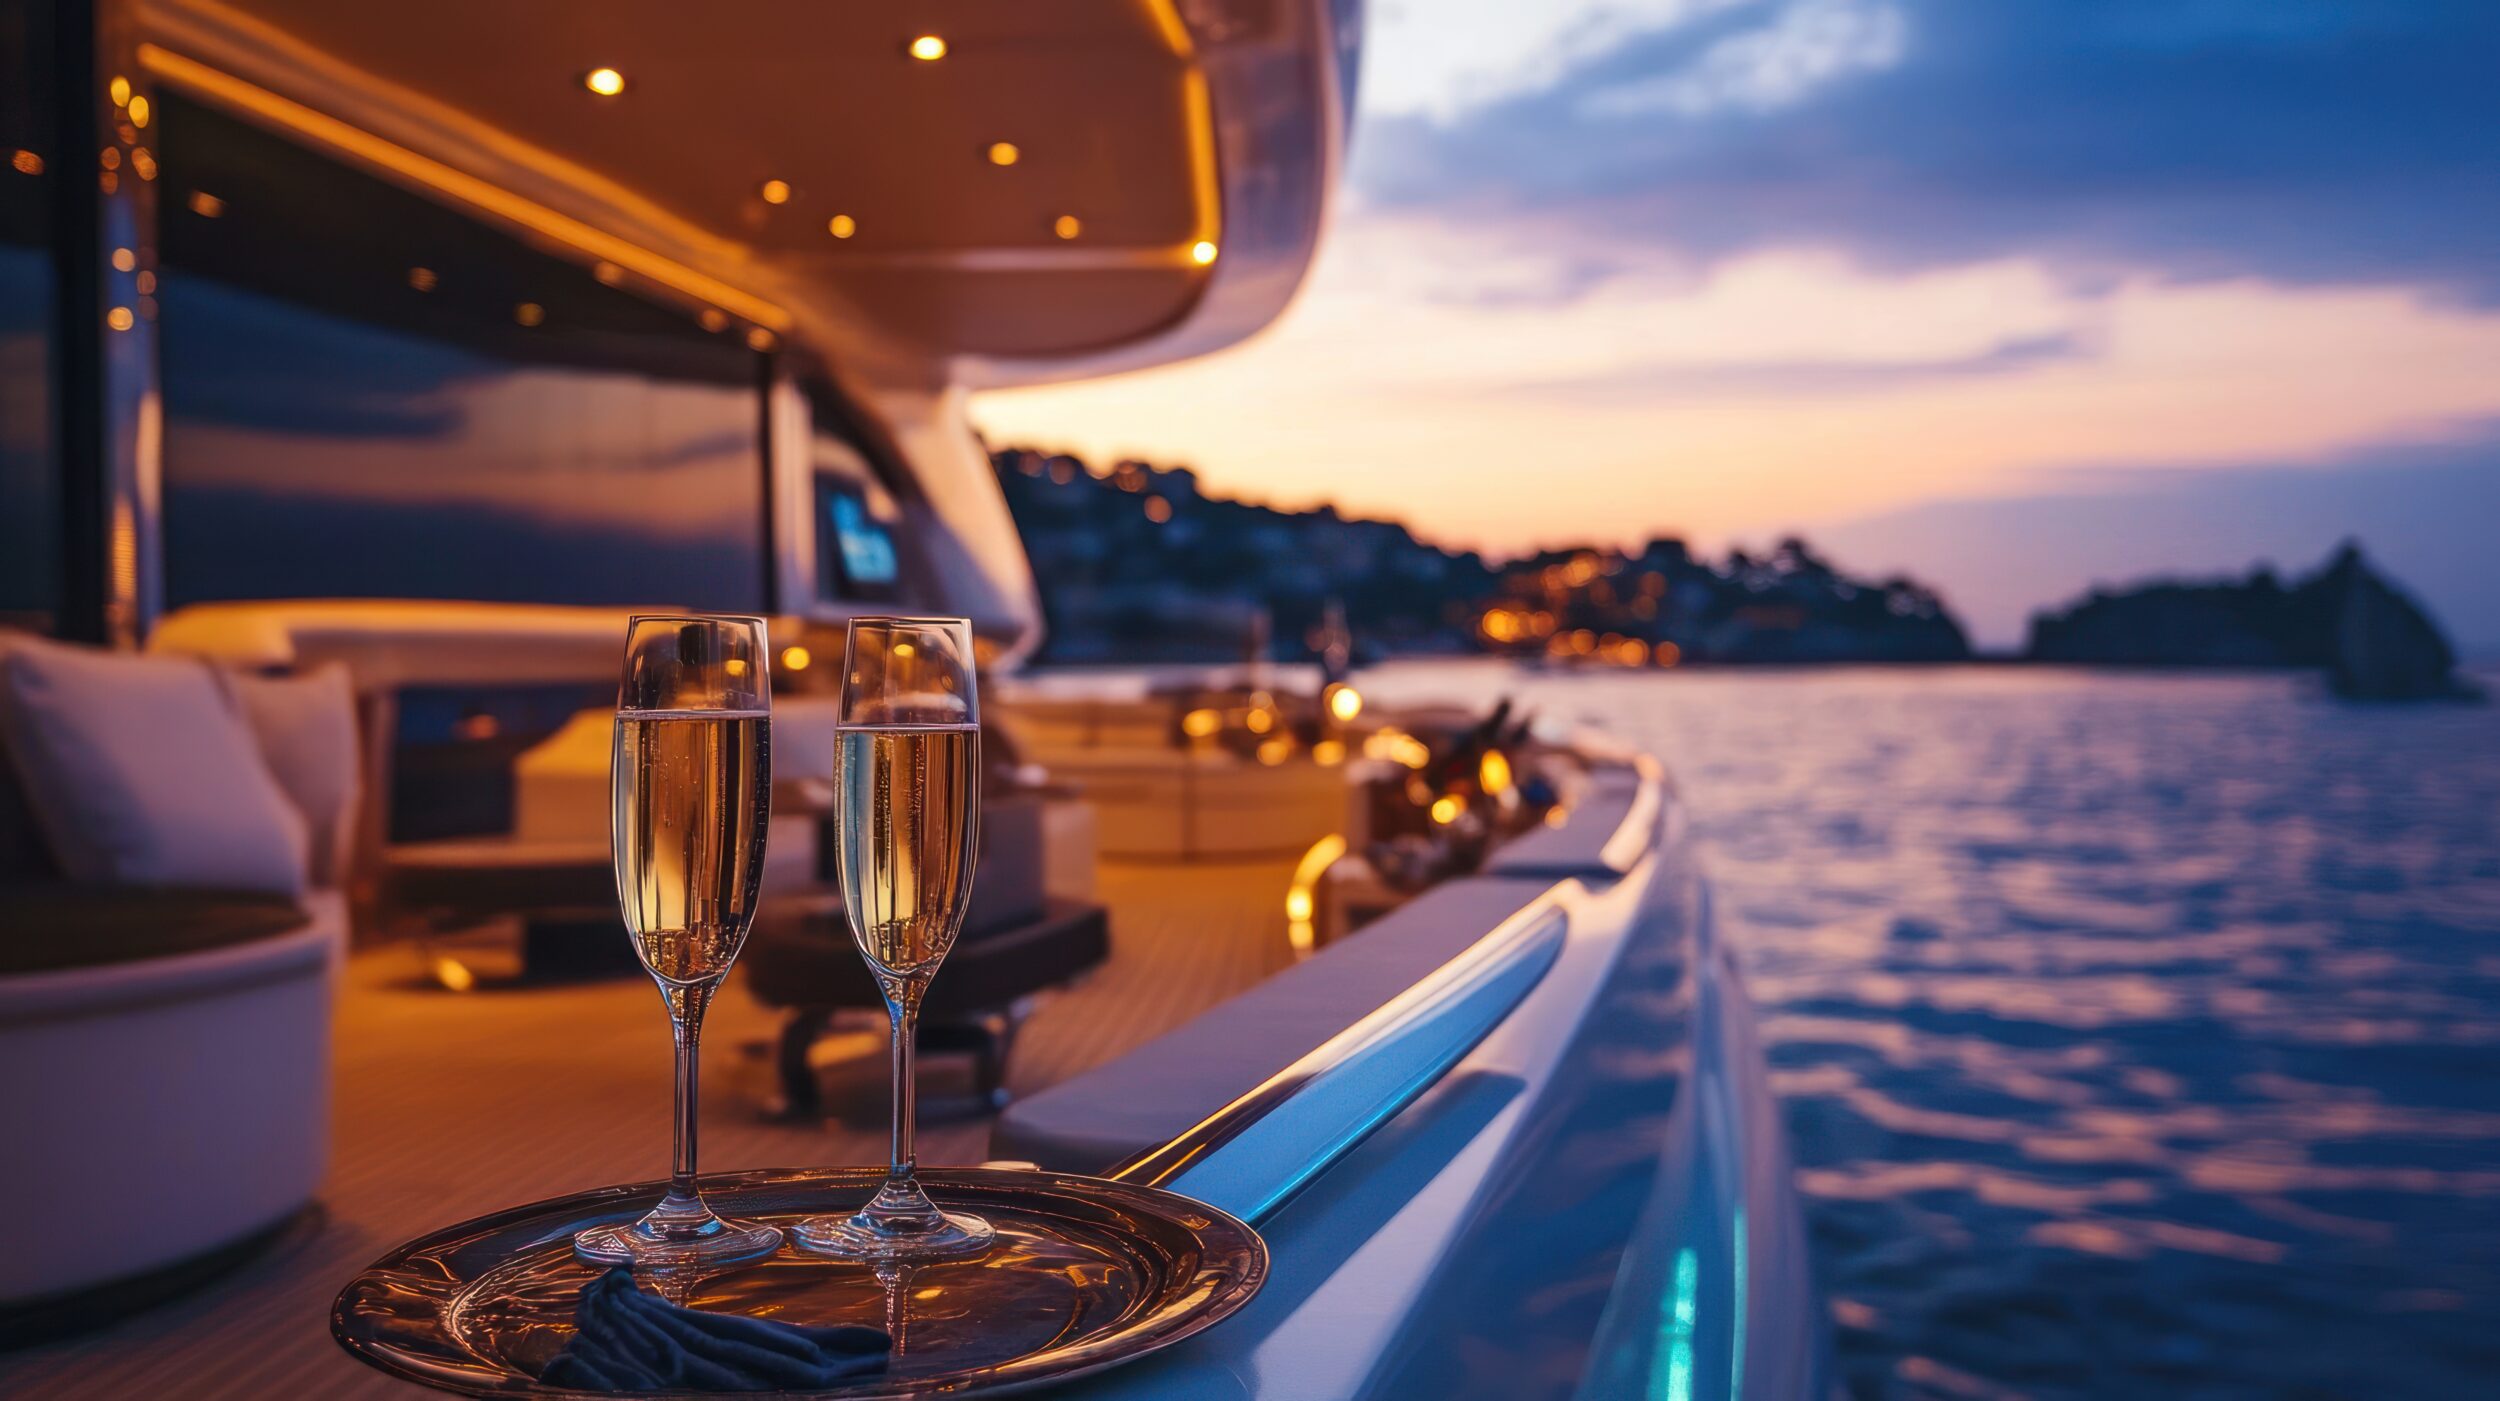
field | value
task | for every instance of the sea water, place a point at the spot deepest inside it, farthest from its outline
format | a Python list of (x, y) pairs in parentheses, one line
[(2138, 1035)]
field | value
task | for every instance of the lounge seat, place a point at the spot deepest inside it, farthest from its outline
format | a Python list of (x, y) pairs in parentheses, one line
[(164, 1076), (168, 1099), (1151, 1095)]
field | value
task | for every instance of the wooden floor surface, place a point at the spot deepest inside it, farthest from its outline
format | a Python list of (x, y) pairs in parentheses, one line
[(452, 1105)]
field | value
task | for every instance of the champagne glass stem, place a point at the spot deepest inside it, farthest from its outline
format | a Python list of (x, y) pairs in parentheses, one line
[(903, 1010), (686, 1007)]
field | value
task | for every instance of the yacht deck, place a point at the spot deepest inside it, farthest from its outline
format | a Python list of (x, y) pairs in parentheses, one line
[(449, 1106)]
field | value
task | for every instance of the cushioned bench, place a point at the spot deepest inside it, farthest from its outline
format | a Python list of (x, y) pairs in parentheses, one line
[(164, 1046), (1157, 1091)]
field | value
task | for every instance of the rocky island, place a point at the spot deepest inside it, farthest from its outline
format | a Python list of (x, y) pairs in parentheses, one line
[(2369, 638)]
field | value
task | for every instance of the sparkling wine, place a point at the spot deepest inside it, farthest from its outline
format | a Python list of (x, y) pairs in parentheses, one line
[(693, 796), (906, 839)]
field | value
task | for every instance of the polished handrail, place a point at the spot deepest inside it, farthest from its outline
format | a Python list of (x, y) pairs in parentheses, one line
[(1637, 833), (1463, 999)]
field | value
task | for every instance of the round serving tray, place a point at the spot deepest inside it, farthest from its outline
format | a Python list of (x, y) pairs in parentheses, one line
[(1086, 1274)]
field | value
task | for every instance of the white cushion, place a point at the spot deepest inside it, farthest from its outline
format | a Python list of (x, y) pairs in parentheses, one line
[(306, 727), (140, 772)]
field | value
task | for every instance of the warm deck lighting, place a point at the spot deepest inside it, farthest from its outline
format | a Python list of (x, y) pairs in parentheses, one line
[(1275, 751), (608, 274), (1493, 773), (26, 162), (454, 975), (606, 82), (124, 260), (775, 191), (928, 48), (1198, 724), (713, 320), (1004, 153), (796, 658), (1067, 226), (1344, 702), (1202, 252), (1447, 807), (138, 111), (1158, 510), (842, 226), (759, 340), (1301, 902), (529, 313), (206, 205), (1668, 654), (119, 318), (120, 88), (422, 279), (1260, 720)]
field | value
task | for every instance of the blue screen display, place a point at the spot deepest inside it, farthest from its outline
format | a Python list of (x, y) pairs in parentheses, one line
[(863, 547)]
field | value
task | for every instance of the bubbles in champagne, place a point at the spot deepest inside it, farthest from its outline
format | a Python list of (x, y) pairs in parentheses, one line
[(693, 793), (907, 835)]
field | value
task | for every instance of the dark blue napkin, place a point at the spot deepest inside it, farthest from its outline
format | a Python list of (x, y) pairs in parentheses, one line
[(628, 1340)]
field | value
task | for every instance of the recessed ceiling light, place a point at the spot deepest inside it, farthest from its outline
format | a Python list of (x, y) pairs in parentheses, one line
[(1067, 226), (608, 274), (759, 339), (712, 319), (1004, 153), (775, 191), (842, 226), (1202, 252), (928, 48), (606, 82)]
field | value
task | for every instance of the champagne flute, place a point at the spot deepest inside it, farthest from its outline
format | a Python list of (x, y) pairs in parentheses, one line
[(909, 779), (691, 786)]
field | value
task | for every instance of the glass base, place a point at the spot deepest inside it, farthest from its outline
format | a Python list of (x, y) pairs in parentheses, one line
[(675, 1235), (900, 1223)]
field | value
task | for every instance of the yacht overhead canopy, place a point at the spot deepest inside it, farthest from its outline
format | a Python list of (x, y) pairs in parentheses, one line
[(989, 192)]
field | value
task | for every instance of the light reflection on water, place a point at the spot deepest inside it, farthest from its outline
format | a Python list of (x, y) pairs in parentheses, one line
[(2139, 1035)]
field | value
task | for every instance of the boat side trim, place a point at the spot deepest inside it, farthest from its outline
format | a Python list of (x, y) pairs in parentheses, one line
[(1251, 1157)]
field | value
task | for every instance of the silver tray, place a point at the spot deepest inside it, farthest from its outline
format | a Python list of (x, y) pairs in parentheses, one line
[(1086, 1274)]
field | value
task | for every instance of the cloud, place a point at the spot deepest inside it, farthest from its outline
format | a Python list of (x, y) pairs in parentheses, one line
[(1804, 47), (1821, 378), (2333, 141)]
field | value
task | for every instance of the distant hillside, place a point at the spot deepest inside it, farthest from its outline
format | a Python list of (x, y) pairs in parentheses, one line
[(1137, 564), (2345, 619)]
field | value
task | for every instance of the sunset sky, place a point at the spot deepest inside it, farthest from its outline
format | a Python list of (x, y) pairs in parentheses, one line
[(2013, 295)]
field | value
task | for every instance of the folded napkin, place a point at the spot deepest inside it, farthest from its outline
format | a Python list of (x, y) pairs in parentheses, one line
[(628, 1340)]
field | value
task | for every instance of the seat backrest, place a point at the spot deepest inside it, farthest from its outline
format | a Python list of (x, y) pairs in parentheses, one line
[(24, 859)]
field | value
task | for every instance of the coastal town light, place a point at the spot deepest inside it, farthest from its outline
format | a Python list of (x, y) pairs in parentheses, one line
[(1344, 702), (1198, 724)]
